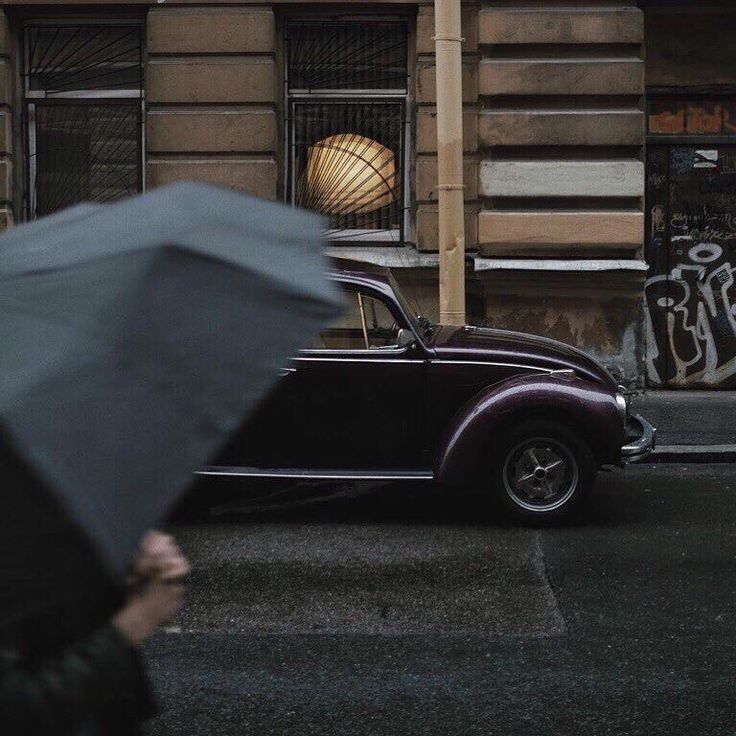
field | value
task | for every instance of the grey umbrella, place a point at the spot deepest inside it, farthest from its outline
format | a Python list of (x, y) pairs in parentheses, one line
[(136, 337)]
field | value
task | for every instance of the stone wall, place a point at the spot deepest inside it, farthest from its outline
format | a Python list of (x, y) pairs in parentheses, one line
[(6, 125), (211, 92), (561, 173)]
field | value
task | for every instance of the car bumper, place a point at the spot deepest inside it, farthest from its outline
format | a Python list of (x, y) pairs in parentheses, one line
[(641, 439)]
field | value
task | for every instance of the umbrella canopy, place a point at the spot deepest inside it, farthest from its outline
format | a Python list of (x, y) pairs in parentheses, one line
[(137, 336)]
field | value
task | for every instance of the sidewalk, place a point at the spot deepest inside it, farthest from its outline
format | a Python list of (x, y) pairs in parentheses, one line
[(692, 426)]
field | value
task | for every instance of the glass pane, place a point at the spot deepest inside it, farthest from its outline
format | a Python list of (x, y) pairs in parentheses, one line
[(348, 164), (367, 323), (85, 153), (346, 55), (69, 58), (667, 117), (704, 118)]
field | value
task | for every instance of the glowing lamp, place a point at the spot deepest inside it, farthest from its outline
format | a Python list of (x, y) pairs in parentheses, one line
[(350, 174)]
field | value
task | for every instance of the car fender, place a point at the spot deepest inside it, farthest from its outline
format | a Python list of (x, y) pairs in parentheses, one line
[(586, 406)]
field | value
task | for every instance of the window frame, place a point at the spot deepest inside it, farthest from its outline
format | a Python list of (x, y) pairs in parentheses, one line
[(295, 96), (687, 95), (397, 314), (32, 98)]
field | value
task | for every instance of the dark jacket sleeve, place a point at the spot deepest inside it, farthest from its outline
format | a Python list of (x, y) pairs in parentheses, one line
[(98, 681)]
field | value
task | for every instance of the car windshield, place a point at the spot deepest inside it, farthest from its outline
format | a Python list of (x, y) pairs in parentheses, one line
[(420, 324)]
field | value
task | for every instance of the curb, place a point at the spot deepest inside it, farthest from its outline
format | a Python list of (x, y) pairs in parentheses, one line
[(693, 454)]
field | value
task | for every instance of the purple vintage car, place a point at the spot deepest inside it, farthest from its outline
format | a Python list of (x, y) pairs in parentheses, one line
[(385, 394)]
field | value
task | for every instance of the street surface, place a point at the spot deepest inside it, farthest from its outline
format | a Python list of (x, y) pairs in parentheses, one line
[(392, 612)]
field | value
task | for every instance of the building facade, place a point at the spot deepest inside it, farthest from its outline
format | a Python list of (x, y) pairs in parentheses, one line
[(599, 139)]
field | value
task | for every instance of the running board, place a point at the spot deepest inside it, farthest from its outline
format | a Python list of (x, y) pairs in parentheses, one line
[(300, 474)]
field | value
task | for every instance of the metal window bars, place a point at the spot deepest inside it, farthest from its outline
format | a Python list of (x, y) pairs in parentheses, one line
[(84, 116), (346, 95)]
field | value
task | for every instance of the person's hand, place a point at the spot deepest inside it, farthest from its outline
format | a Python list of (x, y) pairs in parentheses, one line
[(147, 609), (159, 573), (159, 557)]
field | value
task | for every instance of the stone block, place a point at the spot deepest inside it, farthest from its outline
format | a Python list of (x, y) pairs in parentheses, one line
[(614, 178), (208, 30), (6, 39), (6, 180), (253, 176), (425, 28), (525, 233), (561, 128), (426, 178), (560, 25), (6, 82), (427, 82), (427, 130), (201, 80), (6, 218), (211, 130), (561, 76), (427, 223), (6, 132)]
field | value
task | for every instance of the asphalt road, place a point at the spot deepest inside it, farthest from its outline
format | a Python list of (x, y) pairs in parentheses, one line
[(392, 612)]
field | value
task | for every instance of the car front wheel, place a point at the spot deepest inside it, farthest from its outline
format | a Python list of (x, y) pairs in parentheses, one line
[(542, 471)]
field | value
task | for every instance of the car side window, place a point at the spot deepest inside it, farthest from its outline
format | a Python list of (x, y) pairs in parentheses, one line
[(367, 324)]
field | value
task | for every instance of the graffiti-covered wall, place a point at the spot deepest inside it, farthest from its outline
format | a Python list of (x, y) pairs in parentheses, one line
[(691, 291)]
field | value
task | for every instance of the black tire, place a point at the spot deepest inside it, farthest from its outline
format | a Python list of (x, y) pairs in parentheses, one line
[(542, 471)]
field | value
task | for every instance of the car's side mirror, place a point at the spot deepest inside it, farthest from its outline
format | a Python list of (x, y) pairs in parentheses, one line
[(405, 338)]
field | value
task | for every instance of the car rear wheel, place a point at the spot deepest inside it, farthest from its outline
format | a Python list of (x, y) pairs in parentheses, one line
[(542, 471)]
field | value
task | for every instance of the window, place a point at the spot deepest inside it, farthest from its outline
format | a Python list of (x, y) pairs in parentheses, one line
[(367, 324), (346, 98), (699, 116), (83, 113)]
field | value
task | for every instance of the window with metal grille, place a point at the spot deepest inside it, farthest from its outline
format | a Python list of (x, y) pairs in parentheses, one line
[(346, 90), (83, 88)]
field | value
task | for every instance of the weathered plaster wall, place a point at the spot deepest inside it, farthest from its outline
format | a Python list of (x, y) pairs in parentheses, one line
[(598, 312)]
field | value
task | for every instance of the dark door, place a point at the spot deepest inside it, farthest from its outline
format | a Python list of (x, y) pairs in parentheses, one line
[(691, 249), (354, 400)]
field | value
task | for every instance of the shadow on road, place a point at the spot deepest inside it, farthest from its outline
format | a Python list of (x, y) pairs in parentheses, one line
[(620, 497)]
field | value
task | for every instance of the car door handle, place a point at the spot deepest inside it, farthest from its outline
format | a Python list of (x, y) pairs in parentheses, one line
[(286, 371)]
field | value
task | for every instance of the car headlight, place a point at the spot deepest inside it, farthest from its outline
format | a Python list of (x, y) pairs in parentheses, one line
[(623, 405)]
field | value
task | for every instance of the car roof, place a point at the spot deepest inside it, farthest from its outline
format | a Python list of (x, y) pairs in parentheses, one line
[(359, 270)]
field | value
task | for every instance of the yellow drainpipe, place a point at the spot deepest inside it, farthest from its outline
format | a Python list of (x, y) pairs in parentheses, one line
[(450, 190)]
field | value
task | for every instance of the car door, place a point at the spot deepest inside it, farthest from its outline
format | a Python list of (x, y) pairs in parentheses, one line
[(358, 395), (354, 399)]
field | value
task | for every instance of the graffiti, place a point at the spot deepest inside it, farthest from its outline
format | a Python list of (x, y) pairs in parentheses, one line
[(682, 160), (703, 226), (697, 301), (658, 219), (728, 163), (655, 181)]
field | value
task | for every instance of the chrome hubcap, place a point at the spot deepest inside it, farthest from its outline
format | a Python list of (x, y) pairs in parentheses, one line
[(540, 474)]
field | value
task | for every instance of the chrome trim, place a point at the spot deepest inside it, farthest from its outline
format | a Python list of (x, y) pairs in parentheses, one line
[(644, 445), (566, 374), (622, 405), (337, 358), (535, 368), (292, 473)]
